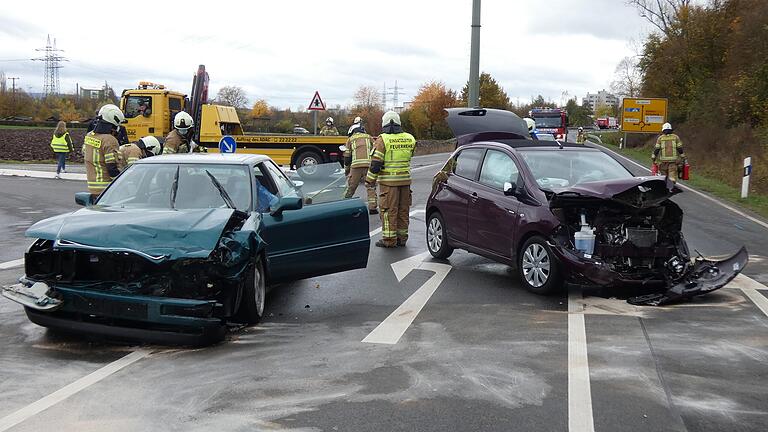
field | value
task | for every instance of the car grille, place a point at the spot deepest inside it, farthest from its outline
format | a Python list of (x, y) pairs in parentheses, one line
[(110, 308)]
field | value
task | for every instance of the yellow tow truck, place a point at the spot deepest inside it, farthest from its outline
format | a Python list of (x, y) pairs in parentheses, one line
[(149, 110)]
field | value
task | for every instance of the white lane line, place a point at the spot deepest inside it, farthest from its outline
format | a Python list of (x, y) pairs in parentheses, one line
[(52, 399), (411, 214), (390, 330), (11, 264), (422, 168), (579, 389), (703, 195), (758, 299), (742, 281), (41, 174)]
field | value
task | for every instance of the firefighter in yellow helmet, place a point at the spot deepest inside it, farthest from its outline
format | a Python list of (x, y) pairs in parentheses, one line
[(130, 153), (329, 129), (581, 136), (101, 149), (668, 151), (391, 168), (179, 140), (357, 160)]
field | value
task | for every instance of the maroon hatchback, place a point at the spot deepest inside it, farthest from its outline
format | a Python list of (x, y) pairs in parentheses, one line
[(562, 212)]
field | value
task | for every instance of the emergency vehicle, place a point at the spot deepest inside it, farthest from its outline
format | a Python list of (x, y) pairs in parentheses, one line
[(550, 120)]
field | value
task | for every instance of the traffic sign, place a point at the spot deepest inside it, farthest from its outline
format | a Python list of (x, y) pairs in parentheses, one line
[(317, 104), (644, 115), (227, 144)]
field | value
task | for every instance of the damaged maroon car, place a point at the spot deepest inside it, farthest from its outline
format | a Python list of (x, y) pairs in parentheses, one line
[(564, 213)]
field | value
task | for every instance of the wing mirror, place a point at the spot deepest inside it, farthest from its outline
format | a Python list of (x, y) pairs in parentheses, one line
[(84, 198), (510, 188), (286, 203), (298, 183)]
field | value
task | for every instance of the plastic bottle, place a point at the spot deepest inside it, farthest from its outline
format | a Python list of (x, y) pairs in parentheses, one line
[(585, 238)]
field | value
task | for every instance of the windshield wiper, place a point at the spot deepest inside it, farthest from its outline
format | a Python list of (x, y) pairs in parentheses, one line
[(222, 192), (174, 188)]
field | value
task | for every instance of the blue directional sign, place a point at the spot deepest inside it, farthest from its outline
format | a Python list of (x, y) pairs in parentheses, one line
[(632, 110), (227, 144)]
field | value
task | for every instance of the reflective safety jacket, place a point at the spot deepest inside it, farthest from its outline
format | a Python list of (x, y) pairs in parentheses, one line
[(329, 131), (61, 144), (359, 148), (98, 151), (129, 153), (175, 143), (581, 137), (395, 151), (669, 147)]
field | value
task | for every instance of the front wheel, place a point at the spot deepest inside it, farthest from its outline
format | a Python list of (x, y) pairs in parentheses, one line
[(437, 241), (254, 294), (539, 271)]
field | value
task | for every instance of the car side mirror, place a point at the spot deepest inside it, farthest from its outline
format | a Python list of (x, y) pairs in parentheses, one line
[(510, 188), (286, 203), (84, 198), (298, 183)]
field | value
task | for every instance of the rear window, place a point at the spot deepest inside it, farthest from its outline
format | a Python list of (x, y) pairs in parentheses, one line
[(563, 168), (467, 163)]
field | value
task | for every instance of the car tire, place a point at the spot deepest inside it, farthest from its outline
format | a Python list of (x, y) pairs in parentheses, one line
[(437, 238), (309, 164), (538, 269), (253, 296)]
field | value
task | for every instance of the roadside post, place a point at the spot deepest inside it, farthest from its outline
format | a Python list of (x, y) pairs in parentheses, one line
[(315, 105), (227, 144), (745, 177)]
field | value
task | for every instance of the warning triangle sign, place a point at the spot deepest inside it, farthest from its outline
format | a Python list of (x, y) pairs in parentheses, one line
[(317, 104)]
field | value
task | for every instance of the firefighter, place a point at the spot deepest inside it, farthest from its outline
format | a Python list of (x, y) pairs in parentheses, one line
[(531, 123), (130, 153), (329, 129), (391, 167), (179, 139), (669, 153), (101, 149), (357, 160), (581, 136)]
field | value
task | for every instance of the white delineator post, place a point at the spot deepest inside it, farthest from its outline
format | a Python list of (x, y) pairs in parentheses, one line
[(745, 177)]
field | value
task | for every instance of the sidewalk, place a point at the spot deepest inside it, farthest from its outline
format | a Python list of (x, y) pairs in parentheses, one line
[(77, 168)]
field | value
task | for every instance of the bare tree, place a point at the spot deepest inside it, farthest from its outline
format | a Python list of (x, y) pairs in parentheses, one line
[(661, 13), (367, 96), (233, 96), (627, 78)]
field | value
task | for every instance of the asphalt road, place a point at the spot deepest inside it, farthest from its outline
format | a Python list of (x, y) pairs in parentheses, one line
[(482, 354)]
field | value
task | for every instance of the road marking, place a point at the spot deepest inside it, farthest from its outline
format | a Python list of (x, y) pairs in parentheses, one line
[(11, 264), (703, 195), (52, 399), (742, 281), (579, 388), (758, 299), (411, 214), (394, 326), (422, 168), (41, 174)]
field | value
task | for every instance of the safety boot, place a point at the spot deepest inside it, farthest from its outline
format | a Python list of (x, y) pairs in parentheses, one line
[(382, 244)]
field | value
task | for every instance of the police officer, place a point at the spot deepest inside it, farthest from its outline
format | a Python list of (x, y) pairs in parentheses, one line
[(101, 149), (391, 167), (130, 153), (669, 152), (180, 138), (357, 160), (581, 136), (329, 129)]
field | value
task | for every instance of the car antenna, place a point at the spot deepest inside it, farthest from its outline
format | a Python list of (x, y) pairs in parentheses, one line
[(559, 144)]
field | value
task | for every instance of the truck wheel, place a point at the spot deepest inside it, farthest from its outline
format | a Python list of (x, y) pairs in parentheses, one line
[(308, 164), (253, 297)]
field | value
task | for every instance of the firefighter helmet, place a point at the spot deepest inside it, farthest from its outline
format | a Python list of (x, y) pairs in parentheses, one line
[(329, 121), (150, 145), (183, 122), (666, 127), (581, 129), (390, 117), (111, 114), (531, 123), (358, 120)]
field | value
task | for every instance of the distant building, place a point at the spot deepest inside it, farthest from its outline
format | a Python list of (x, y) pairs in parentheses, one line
[(92, 93), (593, 100)]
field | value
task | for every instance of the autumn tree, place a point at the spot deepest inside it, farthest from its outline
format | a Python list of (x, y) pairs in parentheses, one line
[(627, 78), (233, 96), (260, 109), (426, 114), (491, 93), (367, 105), (665, 15)]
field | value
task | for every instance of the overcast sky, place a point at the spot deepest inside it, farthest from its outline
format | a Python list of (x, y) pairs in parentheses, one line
[(283, 51)]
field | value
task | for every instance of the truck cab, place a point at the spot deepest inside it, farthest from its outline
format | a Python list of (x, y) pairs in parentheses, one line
[(149, 109)]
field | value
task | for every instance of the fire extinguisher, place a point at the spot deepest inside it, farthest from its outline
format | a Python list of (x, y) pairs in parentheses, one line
[(686, 171), (654, 169)]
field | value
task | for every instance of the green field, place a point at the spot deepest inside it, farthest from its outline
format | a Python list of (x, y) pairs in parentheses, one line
[(755, 202)]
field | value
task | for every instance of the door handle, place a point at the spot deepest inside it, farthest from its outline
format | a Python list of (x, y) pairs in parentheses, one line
[(510, 211), (357, 213), (474, 196)]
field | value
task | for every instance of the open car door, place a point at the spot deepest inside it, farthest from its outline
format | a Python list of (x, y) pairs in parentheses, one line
[(328, 234)]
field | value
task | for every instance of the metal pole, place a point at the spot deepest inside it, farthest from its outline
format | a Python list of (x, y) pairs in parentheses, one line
[(13, 93), (474, 58), (314, 122), (745, 177)]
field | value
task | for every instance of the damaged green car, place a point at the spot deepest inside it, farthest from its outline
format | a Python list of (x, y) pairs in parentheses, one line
[(178, 246)]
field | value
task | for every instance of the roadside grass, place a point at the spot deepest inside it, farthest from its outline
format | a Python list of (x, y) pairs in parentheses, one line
[(25, 127), (755, 202)]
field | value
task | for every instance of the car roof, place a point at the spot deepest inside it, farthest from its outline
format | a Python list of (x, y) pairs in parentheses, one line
[(525, 144), (206, 158)]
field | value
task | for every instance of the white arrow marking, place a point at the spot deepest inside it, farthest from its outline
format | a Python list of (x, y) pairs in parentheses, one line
[(394, 326)]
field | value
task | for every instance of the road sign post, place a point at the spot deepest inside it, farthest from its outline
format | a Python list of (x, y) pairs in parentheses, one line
[(227, 144), (745, 177), (315, 105)]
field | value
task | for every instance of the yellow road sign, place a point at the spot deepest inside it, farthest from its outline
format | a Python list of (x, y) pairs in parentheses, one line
[(645, 115)]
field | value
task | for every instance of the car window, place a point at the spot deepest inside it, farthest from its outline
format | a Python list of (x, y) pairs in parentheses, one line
[(498, 168), (553, 169), (138, 105), (467, 163), (283, 185)]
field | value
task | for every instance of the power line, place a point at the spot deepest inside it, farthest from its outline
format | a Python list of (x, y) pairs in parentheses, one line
[(52, 66)]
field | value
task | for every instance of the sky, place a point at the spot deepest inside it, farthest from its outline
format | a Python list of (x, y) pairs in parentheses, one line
[(283, 51)]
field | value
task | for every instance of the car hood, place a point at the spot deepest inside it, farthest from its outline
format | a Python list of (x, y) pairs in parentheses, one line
[(491, 123), (154, 234), (638, 192)]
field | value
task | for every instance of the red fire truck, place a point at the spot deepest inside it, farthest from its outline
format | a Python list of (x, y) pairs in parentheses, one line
[(551, 120)]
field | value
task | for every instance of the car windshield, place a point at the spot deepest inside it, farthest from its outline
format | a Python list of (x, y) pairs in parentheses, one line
[(151, 186), (562, 168), (548, 122)]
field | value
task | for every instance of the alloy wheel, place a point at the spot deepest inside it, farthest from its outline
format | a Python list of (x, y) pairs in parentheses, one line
[(435, 235), (536, 265)]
